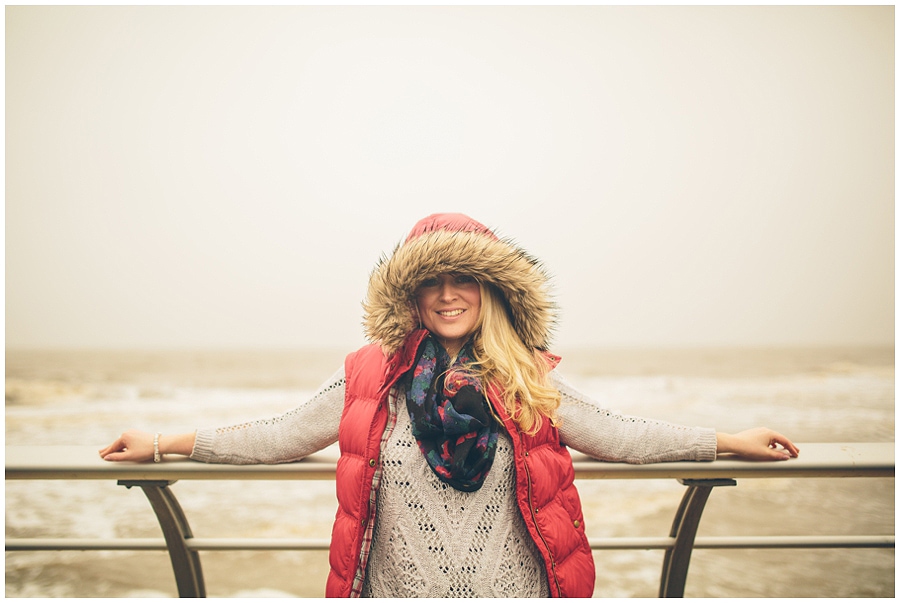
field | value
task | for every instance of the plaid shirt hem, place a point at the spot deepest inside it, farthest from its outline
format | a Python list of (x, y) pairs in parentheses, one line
[(359, 579)]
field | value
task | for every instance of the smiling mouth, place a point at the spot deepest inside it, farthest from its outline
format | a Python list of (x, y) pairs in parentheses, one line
[(451, 313)]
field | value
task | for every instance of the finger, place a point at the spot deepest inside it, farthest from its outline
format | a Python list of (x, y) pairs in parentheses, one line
[(785, 443), (778, 454), (767, 453), (116, 446), (116, 456), (790, 447)]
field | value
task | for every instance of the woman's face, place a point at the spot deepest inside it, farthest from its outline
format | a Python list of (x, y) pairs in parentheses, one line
[(449, 306)]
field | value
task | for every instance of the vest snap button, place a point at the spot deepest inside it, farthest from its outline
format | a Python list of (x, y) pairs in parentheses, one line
[(577, 523), (371, 462)]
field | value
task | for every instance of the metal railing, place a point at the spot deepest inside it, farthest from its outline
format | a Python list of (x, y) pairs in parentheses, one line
[(836, 460)]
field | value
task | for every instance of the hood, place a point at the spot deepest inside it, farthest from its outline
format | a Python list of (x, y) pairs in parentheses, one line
[(444, 243)]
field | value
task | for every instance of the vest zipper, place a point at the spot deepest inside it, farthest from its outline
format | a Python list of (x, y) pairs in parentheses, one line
[(534, 518)]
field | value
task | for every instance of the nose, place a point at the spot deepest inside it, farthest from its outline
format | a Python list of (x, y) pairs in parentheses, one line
[(448, 289)]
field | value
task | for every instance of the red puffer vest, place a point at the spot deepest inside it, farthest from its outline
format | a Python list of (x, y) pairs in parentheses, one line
[(545, 491)]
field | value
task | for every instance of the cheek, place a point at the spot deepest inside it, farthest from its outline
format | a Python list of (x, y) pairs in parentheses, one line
[(422, 303), (476, 299), (475, 304)]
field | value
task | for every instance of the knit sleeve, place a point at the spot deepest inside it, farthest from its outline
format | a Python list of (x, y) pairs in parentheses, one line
[(608, 436), (289, 437)]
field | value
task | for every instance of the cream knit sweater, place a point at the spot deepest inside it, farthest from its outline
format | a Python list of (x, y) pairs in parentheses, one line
[(431, 540)]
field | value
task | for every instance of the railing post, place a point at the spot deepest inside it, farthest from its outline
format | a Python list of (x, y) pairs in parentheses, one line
[(174, 524), (684, 529)]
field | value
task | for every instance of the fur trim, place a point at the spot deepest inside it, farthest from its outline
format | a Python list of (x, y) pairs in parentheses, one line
[(389, 308)]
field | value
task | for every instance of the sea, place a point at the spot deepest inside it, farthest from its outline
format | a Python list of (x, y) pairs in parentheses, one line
[(88, 397)]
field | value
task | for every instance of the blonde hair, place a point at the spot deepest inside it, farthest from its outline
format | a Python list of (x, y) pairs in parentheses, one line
[(503, 360)]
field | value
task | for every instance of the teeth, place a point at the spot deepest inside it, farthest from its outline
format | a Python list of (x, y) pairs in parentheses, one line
[(451, 313)]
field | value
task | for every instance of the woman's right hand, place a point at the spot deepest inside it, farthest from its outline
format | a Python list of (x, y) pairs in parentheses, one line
[(135, 445)]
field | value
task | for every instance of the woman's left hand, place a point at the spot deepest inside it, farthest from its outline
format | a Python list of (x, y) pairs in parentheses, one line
[(759, 444)]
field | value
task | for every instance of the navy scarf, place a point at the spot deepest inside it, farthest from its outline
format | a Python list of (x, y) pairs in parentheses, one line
[(450, 417)]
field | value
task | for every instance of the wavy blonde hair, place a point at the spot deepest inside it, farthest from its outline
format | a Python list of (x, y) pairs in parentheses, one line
[(502, 359)]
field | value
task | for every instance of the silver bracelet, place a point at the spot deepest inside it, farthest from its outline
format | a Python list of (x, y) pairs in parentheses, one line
[(156, 448)]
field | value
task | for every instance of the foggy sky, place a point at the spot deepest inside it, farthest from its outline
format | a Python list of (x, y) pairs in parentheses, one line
[(228, 176)]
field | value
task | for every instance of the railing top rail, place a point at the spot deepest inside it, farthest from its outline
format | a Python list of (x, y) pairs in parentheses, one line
[(83, 462)]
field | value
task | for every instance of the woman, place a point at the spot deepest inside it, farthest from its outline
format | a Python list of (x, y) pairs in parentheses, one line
[(455, 426)]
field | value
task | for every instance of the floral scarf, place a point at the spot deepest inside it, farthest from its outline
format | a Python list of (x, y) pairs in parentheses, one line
[(450, 417)]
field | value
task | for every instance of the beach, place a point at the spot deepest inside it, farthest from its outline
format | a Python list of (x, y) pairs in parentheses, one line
[(84, 397)]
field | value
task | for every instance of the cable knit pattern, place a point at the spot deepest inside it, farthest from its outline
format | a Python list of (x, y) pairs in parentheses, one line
[(434, 541), (586, 427)]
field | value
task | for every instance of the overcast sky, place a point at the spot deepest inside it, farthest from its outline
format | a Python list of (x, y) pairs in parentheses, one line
[(228, 176)]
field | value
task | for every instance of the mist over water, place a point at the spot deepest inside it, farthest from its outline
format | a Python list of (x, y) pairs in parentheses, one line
[(89, 397)]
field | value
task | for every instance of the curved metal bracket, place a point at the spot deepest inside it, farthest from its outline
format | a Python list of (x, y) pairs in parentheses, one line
[(684, 529), (174, 524)]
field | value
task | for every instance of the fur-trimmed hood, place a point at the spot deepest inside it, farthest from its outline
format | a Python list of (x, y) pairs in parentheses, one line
[(454, 243)]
